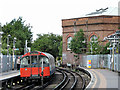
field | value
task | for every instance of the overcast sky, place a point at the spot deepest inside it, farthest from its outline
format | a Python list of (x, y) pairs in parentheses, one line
[(46, 15)]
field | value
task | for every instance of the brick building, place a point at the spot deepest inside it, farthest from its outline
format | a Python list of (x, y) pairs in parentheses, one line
[(101, 23)]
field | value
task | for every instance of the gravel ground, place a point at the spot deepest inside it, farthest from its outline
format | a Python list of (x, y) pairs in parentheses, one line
[(58, 77)]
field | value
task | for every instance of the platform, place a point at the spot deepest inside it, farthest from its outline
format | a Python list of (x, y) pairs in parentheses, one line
[(10, 74), (106, 79)]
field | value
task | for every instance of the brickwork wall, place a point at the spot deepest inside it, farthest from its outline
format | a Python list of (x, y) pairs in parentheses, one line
[(101, 26)]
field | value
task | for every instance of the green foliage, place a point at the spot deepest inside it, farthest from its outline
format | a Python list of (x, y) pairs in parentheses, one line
[(16, 28), (77, 43), (60, 48), (47, 43), (94, 47), (105, 51)]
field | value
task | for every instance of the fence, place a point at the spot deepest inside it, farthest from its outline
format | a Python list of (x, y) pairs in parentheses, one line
[(102, 61), (97, 61), (7, 64)]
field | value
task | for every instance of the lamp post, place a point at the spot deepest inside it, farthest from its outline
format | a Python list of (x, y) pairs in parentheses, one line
[(87, 29), (119, 47), (0, 56), (14, 40), (74, 27), (92, 45), (110, 54), (25, 50), (0, 50), (113, 39), (113, 52), (8, 51), (42, 72)]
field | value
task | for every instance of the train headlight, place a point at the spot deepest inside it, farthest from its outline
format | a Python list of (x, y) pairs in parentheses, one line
[(13, 83), (18, 82)]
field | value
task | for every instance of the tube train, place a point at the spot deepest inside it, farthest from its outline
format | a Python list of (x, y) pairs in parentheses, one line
[(36, 64)]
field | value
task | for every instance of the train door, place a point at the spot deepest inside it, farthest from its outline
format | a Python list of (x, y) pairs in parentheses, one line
[(34, 66), (25, 68), (44, 64)]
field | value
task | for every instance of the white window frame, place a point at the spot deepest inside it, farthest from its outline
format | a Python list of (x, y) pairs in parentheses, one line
[(69, 39), (93, 36)]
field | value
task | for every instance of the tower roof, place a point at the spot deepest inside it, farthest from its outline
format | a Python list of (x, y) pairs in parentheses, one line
[(112, 11)]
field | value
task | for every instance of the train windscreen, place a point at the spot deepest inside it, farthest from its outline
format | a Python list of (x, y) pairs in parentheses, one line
[(25, 60), (34, 60)]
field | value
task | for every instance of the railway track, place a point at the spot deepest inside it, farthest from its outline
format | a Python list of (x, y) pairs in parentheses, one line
[(20, 86), (26, 85), (72, 81), (63, 79)]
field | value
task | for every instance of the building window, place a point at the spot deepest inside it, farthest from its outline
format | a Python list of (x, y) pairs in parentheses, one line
[(93, 37), (68, 43)]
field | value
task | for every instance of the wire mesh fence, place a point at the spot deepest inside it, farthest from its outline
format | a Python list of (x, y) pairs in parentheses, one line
[(7, 64), (102, 61)]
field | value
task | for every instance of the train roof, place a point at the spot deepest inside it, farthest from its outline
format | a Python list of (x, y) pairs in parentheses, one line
[(38, 53)]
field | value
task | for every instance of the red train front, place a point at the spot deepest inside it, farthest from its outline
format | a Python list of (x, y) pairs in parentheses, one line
[(33, 63)]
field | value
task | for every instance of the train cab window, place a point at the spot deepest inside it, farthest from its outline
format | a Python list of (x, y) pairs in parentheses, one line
[(34, 59), (25, 60)]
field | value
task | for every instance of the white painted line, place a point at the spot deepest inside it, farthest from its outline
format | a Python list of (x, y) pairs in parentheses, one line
[(9, 75), (103, 83), (95, 80)]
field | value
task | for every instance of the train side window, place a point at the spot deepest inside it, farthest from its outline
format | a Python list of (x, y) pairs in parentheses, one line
[(45, 60)]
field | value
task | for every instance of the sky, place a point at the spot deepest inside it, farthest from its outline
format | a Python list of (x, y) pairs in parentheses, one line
[(45, 15)]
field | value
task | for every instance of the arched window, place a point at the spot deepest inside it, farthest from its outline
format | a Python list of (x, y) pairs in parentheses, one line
[(93, 37), (68, 43)]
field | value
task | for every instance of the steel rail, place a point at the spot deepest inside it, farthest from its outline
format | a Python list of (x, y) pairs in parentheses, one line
[(24, 87), (86, 72), (65, 84), (83, 80), (42, 87), (63, 81), (28, 87), (75, 79)]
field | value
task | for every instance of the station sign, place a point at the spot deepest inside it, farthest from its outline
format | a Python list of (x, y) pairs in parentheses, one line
[(16, 48), (109, 48), (89, 64)]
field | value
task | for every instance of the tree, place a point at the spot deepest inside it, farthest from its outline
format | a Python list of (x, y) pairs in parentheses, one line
[(60, 48), (94, 46), (60, 52), (105, 51), (77, 44), (18, 29), (47, 43)]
